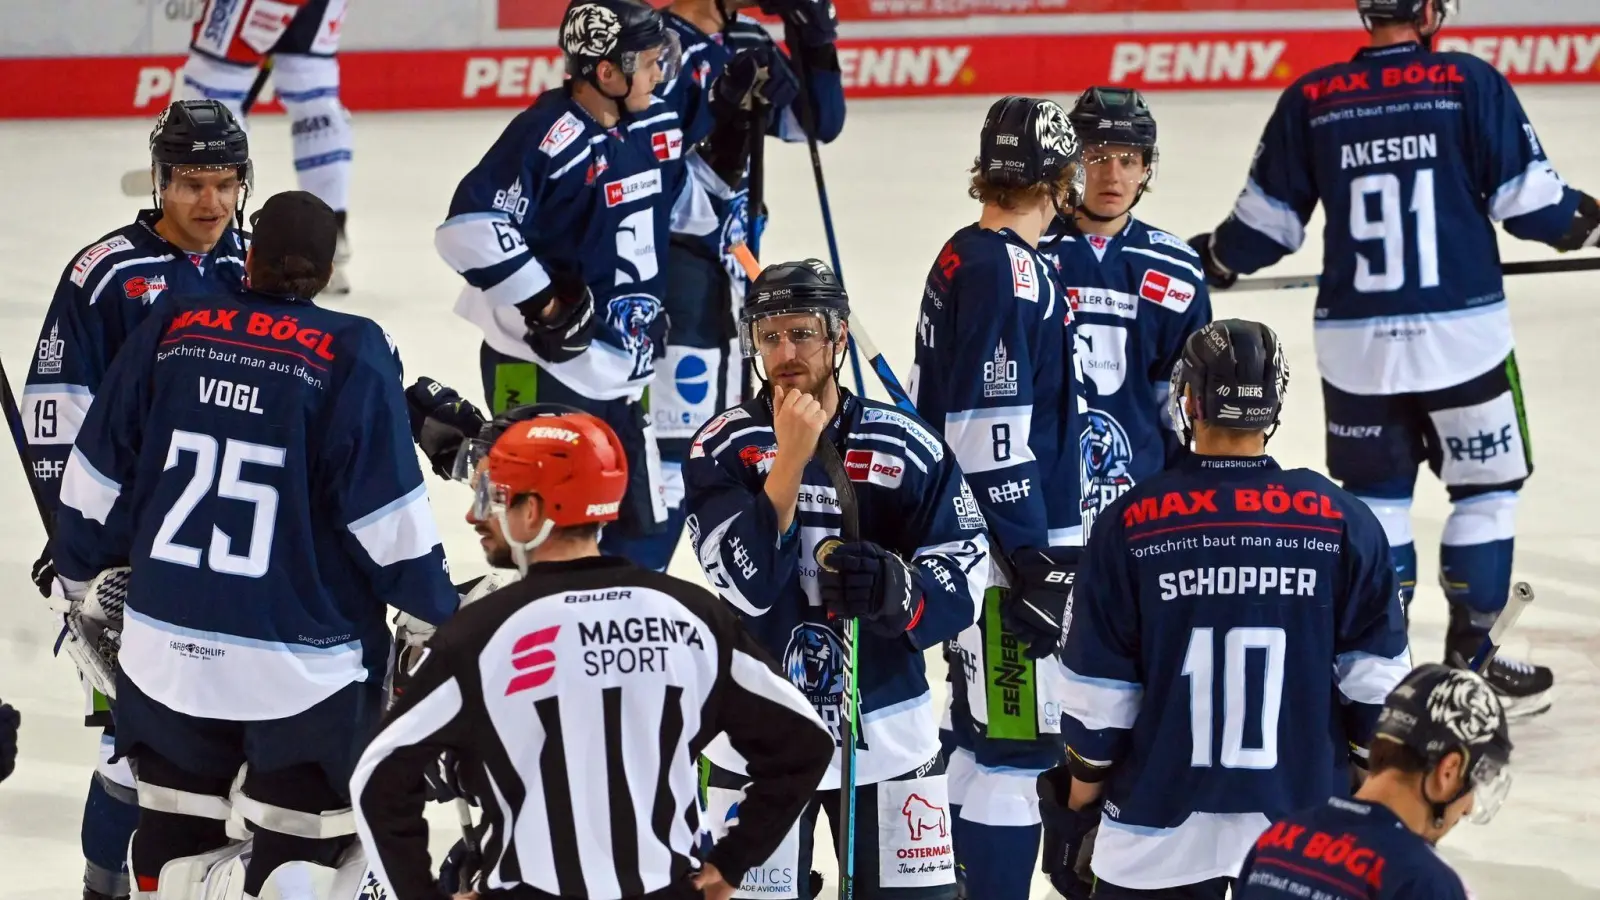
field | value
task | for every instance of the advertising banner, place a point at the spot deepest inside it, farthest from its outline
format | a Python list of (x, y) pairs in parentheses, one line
[(1042, 64)]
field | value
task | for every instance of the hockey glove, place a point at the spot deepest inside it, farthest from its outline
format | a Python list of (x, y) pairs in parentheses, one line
[(1068, 835), (10, 720), (1039, 608), (442, 781), (758, 75), (862, 580), (560, 318), (44, 575), (440, 421), (815, 22), (1585, 230), (1218, 275)]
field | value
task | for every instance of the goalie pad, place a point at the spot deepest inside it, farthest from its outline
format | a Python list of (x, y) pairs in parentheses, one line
[(219, 875), (93, 633)]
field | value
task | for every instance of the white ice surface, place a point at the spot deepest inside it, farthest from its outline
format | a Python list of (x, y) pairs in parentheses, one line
[(897, 179)]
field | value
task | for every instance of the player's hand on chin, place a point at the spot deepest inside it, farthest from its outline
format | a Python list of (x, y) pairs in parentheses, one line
[(709, 882), (797, 420)]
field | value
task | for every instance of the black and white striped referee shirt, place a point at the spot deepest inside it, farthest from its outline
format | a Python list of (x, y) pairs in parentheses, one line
[(577, 702)]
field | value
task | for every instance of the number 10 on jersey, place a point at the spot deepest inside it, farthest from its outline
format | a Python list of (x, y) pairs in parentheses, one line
[(1199, 666)]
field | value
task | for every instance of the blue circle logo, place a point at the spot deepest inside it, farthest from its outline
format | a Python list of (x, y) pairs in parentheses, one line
[(693, 379)]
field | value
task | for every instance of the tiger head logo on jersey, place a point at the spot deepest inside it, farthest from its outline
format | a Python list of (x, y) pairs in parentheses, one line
[(590, 30), (633, 317), (1104, 453), (814, 663)]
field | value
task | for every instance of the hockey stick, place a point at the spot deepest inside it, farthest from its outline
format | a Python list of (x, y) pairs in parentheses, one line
[(1540, 267), (828, 455), (19, 437), (756, 197), (136, 183), (472, 859), (1521, 599), (808, 121)]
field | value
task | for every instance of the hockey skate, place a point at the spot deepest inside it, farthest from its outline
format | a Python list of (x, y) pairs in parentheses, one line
[(340, 282), (1524, 688)]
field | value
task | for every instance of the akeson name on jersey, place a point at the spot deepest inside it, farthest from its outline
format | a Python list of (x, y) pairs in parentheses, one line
[(912, 501), (558, 192), (102, 297), (1136, 296), (1413, 155)]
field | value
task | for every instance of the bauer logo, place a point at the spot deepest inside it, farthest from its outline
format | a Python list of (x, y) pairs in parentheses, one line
[(635, 187), (533, 656), (1172, 293), (51, 351)]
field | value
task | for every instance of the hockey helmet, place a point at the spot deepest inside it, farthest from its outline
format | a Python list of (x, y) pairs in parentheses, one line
[(1117, 117), (618, 32), (1236, 373), (1380, 11), (475, 450), (793, 288), (1438, 710), (199, 133), (1027, 141)]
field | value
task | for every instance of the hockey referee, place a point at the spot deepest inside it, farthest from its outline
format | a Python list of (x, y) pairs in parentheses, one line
[(577, 700)]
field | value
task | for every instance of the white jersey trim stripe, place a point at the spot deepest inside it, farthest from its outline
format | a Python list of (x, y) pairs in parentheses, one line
[(402, 530), (86, 490), (1270, 216), (1367, 677), (1101, 703), (1536, 188), (1167, 259), (969, 432)]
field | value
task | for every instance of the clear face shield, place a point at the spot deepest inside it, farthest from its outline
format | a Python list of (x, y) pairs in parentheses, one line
[(807, 330), (493, 501), (1491, 782), (1112, 161), (668, 55)]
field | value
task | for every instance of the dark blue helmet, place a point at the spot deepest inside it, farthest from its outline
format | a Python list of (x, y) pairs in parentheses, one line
[(794, 288), (1403, 10), (199, 133), (1111, 115), (1027, 141), (615, 31), (1438, 710), (1235, 371)]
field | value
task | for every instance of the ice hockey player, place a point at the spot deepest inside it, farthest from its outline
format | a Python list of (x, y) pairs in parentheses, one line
[(993, 374), (560, 233), (581, 698), (234, 38), (189, 242), (1442, 753), (1137, 292), (1194, 721), (732, 74), (1415, 155), (249, 459), (761, 501), (10, 722)]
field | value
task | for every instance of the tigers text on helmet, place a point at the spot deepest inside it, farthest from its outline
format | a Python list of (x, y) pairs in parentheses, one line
[(199, 134), (1236, 373), (1438, 710), (808, 287), (573, 462), (1116, 117), (619, 32)]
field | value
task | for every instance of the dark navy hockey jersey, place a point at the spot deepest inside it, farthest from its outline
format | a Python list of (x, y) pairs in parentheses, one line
[(993, 375), (912, 500), (250, 457), (558, 192), (102, 297), (704, 58), (1346, 850), (1136, 297), (1229, 617), (1413, 155)]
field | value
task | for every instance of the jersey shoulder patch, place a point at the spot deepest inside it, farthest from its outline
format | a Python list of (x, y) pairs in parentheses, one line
[(914, 429), (1166, 291), (1158, 236), (1024, 273), (92, 257), (712, 427), (566, 129)]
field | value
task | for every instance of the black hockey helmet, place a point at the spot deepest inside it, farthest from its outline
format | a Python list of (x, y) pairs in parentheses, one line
[(1117, 117), (1236, 373), (1377, 12), (794, 288), (200, 133), (616, 31), (1027, 141), (1438, 710)]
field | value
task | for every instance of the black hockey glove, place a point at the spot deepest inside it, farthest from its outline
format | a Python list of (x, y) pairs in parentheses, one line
[(758, 75), (1068, 835), (1585, 230), (442, 780), (862, 580), (44, 572), (440, 421), (10, 720), (560, 318), (1039, 608), (814, 22), (1217, 275)]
